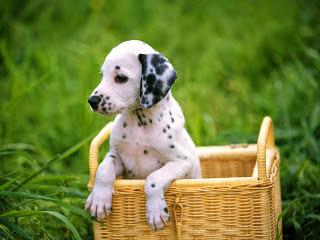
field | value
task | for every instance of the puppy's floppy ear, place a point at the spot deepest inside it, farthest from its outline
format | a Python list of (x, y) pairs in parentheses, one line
[(157, 78)]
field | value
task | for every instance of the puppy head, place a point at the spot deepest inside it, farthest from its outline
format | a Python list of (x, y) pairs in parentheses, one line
[(133, 75)]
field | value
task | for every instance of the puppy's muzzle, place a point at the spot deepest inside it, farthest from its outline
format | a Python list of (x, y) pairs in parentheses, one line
[(94, 102)]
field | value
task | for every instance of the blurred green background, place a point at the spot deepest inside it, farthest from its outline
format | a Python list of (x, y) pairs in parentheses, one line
[(237, 61)]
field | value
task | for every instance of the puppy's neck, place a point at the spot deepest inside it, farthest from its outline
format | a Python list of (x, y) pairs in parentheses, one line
[(148, 117)]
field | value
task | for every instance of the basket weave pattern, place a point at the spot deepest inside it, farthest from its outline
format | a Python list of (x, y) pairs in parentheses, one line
[(226, 204)]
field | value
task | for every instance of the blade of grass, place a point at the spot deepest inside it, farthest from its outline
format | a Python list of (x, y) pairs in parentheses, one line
[(68, 206), (9, 174), (18, 146), (312, 216), (51, 188), (22, 213), (66, 221), (6, 185), (48, 164), (279, 218), (26, 213), (57, 178), (57, 158), (19, 205), (5, 233), (13, 227)]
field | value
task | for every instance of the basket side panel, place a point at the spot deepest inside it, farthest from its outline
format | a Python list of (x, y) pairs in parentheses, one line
[(227, 213), (226, 161), (225, 168)]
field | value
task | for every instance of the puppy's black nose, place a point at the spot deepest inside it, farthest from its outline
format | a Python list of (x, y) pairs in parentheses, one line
[(94, 102)]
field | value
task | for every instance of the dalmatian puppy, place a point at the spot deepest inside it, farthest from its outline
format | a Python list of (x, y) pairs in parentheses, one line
[(148, 139)]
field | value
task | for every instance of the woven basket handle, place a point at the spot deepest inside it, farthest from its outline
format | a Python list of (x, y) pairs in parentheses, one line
[(94, 150), (265, 140)]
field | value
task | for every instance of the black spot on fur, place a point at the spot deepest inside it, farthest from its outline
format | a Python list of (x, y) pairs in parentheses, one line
[(104, 109), (129, 171), (112, 156), (157, 59), (171, 146), (95, 92), (164, 130), (151, 79), (107, 97), (150, 120), (109, 104), (168, 126), (157, 89), (140, 119), (165, 210), (168, 98), (101, 95), (170, 113), (169, 136), (156, 99), (139, 124), (124, 136), (172, 120), (162, 199), (143, 100), (103, 103), (124, 124), (143, 61), (109, 108), (153, 185), (172, 78), (161, 115), (117, 67), (160, 69), (111, 209), (145, 152), (143, 115)]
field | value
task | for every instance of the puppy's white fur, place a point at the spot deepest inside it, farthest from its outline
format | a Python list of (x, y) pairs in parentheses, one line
[(147, 143)]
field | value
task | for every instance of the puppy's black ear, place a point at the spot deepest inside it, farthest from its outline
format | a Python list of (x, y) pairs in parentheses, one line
[(157, 78)]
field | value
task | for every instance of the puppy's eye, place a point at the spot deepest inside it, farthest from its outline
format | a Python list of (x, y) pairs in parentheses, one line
[(120, 79)]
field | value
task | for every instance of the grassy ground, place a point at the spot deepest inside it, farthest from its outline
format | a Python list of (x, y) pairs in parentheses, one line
[(236, 62)]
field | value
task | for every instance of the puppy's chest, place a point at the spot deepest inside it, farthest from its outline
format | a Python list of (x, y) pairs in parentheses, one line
[(139, 160)]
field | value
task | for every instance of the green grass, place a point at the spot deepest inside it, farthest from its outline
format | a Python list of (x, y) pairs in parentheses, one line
[(236, 62)]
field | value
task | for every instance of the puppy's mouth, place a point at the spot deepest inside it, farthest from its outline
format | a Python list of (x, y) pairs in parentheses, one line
[(107, 110)]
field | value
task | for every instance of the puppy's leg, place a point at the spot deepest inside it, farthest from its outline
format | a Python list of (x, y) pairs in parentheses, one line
[(99, 200), (157, 183)]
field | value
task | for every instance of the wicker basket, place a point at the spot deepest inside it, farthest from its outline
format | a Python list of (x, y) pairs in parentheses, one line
[(228, 203)]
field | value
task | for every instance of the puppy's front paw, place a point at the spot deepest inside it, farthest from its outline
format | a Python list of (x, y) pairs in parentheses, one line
[(157, 213), (99, 202)]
